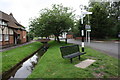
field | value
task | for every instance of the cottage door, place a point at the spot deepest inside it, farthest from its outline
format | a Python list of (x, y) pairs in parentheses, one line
[(15, 38)]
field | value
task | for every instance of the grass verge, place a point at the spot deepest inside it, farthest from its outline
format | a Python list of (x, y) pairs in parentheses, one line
[(52, 65), (14, 56)]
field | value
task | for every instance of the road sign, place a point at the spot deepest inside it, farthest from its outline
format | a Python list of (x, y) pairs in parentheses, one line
[(87, 27), (119, 35), (86, 12), (89, 30)]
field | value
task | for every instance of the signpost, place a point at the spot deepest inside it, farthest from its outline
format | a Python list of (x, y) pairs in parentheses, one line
[(87, 27), (88, 30), (83, 13)]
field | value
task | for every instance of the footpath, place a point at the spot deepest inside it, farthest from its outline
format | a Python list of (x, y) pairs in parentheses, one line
[(12, 47)]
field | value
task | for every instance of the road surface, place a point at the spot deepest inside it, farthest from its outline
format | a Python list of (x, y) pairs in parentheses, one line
[(111, 48)]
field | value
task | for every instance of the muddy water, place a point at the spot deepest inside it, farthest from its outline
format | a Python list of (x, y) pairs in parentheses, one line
[(25, 69)]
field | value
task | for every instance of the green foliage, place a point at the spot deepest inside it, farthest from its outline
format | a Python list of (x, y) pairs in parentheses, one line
[(99, 21), (104, 20), (53, 21), (30, 36), (77, 28), (114, 13)]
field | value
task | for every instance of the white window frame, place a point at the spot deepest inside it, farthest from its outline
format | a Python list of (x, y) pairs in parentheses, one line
[(6, 37), (4, 23), (1, 37)]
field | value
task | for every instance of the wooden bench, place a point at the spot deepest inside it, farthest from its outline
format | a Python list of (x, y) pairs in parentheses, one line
[(69, 52)]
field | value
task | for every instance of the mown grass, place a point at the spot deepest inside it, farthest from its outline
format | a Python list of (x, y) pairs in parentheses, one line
[(109, 39), (14, 56), (0, 62), (52, 65)]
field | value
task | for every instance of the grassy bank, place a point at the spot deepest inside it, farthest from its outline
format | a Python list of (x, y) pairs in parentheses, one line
[(52, 65), (14, 56), (108, 39)]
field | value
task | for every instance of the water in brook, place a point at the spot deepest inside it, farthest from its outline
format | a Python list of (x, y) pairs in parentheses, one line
[(25, 69)]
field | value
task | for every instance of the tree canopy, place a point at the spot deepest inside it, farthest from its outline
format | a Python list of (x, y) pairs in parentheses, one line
[(104, 20), (99, 21), (53, 21)]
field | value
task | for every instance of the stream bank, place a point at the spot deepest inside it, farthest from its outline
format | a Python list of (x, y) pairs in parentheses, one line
[(26, 65)]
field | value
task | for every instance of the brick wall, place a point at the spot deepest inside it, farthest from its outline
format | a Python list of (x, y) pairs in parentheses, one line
[(80, 38), (69, 36), (20, 32), (11, 39), (24, 37), (0, 43)]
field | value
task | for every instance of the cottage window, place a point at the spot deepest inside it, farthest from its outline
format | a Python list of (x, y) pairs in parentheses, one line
[(6, 37), (0, 37), (4, 23), (11, 31)]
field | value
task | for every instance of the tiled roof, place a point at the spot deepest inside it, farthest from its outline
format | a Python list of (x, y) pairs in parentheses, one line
[(12, 22)]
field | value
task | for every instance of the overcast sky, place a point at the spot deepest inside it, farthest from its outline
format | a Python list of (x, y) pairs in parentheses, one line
[(23, 10)]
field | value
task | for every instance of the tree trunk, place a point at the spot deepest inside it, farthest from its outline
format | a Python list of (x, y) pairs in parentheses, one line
[(58, 39), (55, 38)]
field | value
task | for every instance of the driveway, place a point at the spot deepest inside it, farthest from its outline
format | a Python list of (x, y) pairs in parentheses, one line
[(108, 47)]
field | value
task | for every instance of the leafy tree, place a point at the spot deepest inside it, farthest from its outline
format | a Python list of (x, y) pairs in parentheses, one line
[(99, 20), (53, 21), (104, 19), (29, 36), (77, 28), (114, 13)]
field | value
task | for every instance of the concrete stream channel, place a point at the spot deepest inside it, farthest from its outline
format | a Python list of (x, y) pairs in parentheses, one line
[(25, 67)]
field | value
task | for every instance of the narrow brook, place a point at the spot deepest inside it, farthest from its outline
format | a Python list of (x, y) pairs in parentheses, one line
[(25, 69)]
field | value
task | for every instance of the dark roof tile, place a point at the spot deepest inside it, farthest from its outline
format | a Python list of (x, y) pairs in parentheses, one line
[(12, 22)]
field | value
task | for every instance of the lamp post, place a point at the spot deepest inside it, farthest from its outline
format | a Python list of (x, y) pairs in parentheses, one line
[(2, 28)]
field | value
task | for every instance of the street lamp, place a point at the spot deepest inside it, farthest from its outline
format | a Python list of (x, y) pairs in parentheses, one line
[(2, 26)]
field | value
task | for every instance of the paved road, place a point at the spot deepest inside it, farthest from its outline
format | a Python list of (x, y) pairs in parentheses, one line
[(108, 47)]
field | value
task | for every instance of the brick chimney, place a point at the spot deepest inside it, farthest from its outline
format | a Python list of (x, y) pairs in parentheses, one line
[(11, 14)]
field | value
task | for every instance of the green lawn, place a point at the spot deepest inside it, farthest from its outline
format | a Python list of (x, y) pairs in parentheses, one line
[(52, 65), (0, 62), (109, 39), (14, 56)]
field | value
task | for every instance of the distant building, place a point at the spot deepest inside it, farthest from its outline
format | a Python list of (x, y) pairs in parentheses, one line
[(70, 35), (11, 32)]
